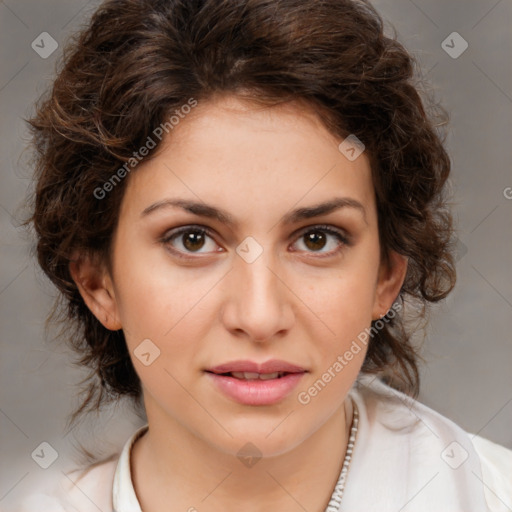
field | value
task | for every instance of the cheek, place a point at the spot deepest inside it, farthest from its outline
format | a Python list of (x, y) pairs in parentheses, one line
[(161, 316), (346, 310), (152, 295), (341, 342), (345, 301), (168, 306), (344, 304)]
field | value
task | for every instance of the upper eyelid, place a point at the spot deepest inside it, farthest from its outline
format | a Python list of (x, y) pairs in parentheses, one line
[(321, 227), (297, 233)]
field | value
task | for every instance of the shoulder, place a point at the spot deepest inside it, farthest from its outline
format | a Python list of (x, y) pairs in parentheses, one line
[(82, 490), (89, 489), (496, 462), (405, 438)]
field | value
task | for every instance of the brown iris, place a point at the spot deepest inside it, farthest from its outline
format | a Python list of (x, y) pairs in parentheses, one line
[(193, 240), (315, 240)]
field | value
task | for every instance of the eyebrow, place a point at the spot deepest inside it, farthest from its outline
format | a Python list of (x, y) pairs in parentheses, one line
[(202, 209)]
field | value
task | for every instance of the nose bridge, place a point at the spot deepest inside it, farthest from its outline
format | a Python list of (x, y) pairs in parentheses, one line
[(259, 301), (258, 279), (254, 261)]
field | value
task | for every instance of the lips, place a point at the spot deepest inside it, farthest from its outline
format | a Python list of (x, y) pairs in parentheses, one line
[(253, 370), (251, 383)]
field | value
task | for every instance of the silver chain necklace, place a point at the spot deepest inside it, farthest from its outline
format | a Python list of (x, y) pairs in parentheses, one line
[(335, 502)]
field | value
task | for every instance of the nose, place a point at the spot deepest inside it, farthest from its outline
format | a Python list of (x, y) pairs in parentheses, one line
[(259, 303)]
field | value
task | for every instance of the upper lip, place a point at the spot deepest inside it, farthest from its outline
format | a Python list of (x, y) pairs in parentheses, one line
[(274, 365)]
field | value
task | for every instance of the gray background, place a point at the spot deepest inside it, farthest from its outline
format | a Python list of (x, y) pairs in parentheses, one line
[(468, 346)]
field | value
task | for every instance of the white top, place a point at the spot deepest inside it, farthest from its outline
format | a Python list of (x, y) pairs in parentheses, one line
[(406, 458)]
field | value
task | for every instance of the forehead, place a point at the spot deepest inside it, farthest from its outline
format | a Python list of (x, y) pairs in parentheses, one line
[(250, 158)]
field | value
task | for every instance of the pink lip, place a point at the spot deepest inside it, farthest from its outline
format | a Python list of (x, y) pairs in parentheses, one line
[(274, 365), (256, 392)]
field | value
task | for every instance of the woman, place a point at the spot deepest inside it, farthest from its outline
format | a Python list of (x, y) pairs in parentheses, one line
[(243, 206)]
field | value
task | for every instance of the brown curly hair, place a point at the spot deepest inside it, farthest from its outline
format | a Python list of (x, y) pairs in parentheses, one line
[(137, 61)]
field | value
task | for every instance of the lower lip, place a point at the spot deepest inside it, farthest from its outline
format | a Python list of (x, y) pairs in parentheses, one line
[(257, 391)]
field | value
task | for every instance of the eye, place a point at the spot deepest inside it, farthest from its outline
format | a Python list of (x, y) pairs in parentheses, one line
[(190, 239), (316, 238)]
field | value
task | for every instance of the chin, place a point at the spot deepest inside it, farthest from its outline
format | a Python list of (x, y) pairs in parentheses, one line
[(266, 438)]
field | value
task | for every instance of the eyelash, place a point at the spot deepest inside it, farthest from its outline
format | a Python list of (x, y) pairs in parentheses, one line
[(340, 235)]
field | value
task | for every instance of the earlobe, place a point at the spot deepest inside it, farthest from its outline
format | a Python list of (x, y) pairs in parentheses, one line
[(391, 278), (95, 287)]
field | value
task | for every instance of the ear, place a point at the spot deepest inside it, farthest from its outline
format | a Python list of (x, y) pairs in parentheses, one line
[(95, 286), (390, 280)]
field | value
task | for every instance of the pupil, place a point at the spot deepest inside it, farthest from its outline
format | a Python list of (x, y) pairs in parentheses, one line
[(317, 239), (191, 238)]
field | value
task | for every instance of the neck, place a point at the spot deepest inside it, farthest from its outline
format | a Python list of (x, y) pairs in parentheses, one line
[(172, 465)]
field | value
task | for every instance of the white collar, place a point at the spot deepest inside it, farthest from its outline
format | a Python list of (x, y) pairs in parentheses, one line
[(408, 457), (123, 493), (402, 459)]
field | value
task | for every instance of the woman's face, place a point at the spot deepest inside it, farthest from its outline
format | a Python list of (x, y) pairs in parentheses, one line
[(273, 284)]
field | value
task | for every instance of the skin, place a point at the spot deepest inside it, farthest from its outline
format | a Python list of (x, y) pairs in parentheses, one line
[(214, 307)]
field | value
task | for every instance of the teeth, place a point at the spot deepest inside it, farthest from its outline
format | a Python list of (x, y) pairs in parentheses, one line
[(254, 376), (242, 375), (268, 376), (250, 375)]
